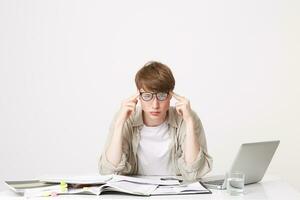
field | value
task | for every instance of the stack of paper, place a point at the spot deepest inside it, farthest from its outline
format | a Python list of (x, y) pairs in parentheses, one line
[(86, 179), (144, 186), (32, 188)]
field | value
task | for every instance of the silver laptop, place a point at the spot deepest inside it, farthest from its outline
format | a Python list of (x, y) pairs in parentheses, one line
[(252, 159)]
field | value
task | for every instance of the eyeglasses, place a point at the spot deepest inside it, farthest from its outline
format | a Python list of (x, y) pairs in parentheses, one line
[(148, 96)]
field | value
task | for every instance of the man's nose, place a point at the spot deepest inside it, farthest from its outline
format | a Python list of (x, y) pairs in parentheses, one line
[(155, 103)]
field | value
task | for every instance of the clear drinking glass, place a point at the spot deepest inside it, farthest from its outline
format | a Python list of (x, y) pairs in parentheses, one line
[(235, 183)]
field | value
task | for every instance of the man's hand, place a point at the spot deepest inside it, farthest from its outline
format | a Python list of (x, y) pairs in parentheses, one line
[(191, 143), (128, 107), (114, 150), (183, 107)]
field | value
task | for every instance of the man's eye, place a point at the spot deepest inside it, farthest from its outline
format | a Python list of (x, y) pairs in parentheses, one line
[(162, 94), (147, 95)]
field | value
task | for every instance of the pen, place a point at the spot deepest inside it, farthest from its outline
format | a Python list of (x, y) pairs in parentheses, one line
[(170, 179)]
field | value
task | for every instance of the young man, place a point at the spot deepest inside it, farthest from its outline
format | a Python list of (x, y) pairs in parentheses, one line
[(156, 139)]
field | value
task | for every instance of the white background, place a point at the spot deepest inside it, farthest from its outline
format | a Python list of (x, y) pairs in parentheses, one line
[(65, 66)]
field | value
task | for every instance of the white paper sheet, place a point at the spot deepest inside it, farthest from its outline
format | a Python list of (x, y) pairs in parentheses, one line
[(144, 180), (132, 188), (180, 189), (83, 179)]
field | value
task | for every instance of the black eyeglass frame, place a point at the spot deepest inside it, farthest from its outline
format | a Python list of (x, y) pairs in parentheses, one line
[(154, 94)]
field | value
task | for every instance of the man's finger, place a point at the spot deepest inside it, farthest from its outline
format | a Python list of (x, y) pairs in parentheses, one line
[(131, 104), (176, 96), (135, 96)]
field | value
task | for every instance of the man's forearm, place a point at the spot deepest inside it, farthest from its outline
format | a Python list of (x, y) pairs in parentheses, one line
[(191, 144), (114, 150)]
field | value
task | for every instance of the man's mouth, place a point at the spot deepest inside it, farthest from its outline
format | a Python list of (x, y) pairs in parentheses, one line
[(155, 113)]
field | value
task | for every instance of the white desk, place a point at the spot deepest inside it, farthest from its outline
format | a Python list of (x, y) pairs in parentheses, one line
[(270, 188)]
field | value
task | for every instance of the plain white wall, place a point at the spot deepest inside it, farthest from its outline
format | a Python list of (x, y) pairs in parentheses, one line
[(65, 66)]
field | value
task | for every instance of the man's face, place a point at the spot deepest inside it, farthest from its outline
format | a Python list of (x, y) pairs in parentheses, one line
[(155, 109)]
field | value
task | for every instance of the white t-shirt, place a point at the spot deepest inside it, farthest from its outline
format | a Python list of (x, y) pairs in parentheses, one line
[(153, 153)]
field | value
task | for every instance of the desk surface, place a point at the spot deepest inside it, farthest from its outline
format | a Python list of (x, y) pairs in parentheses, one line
[(270, 188)]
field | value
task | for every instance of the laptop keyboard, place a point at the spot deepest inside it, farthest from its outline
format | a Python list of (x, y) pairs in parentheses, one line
[(215, 182)]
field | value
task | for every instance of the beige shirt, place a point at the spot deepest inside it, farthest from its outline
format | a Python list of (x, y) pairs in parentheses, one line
[(131, 137)]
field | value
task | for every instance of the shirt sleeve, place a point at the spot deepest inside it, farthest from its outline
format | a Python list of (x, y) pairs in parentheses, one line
[(203, 162), (124, 167)]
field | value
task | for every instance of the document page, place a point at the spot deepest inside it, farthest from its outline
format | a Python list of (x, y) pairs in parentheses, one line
[(130, 187), (144, 180), (83, 179), (191, 188)]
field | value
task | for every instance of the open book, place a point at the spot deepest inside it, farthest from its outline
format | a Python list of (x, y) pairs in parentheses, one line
[(96, 185)]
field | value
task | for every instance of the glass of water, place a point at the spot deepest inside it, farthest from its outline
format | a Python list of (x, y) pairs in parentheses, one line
[(235, 183)]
